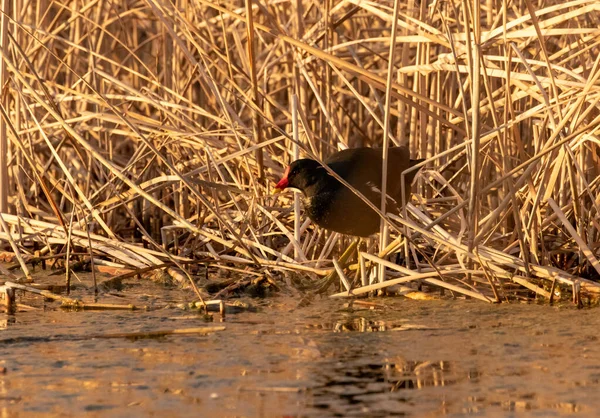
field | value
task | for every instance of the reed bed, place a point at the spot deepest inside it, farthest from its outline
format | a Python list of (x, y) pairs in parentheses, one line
[(145, 132)]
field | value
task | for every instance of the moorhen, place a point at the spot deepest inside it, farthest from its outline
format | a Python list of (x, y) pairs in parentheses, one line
[(335, 207)]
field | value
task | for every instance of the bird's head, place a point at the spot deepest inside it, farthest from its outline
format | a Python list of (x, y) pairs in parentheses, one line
[(301, 175)]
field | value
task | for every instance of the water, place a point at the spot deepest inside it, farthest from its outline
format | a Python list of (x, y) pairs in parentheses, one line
[(406, 358)]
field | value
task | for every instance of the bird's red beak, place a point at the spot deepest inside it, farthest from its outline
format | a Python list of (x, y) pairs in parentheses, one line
[(284, 182)]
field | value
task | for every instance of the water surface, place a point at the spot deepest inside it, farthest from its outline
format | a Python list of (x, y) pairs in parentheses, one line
[(405, 358)]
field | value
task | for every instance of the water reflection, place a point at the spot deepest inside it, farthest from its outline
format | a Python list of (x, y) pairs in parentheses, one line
[(7, 321), (388, 388), (402, 374), (362, 324), (423, 374)]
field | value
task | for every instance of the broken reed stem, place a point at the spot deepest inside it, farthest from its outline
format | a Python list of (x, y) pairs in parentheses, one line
[(14, 247), (67, 302), (92, 306), (44, 293), (341, 275), (159, 333)]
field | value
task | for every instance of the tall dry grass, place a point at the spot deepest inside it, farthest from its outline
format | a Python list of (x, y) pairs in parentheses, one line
[(147, 131)]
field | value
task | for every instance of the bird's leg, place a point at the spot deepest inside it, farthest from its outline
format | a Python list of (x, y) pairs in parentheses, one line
[(399, 258), (356, 278), (403, 261), (343, 261), (361, 247)]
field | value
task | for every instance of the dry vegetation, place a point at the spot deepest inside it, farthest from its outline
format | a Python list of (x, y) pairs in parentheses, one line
[(144, 132)]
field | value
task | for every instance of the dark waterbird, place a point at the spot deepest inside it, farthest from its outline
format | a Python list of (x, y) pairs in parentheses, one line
[(335, 207)]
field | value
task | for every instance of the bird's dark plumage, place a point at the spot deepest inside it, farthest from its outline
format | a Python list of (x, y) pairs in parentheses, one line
[(332, 205)]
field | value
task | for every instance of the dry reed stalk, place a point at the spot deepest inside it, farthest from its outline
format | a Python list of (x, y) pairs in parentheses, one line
[(257, 120), (44, 293), (125, 121), (383, 230), (6, 9), (158, 333), (14, 247), (296, 155)]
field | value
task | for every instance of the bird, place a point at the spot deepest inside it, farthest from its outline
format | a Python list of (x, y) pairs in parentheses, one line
[(332, 205)]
